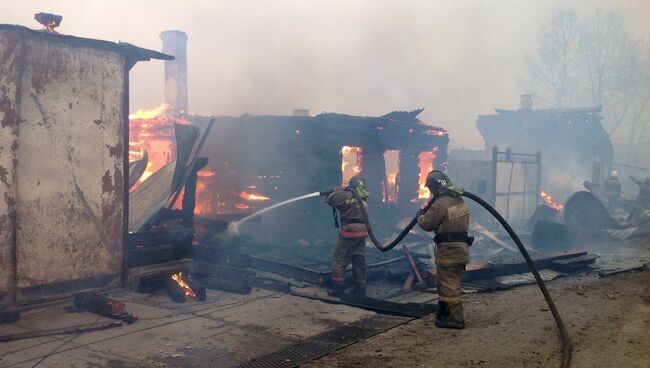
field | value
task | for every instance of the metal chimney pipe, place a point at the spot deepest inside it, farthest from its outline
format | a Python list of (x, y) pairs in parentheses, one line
[(526, 102), (175, 44)]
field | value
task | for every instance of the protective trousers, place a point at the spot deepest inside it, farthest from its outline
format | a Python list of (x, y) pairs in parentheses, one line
[(350, 250), (451, 259)]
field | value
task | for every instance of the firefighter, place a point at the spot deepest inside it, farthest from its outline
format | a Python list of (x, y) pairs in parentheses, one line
[(448, 218), (640, 214), (612, 190), (643, 198), (351, 242)]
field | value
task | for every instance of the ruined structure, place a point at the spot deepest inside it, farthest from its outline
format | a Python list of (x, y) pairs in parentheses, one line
[(256, 161), (570, 140), (63, 153)]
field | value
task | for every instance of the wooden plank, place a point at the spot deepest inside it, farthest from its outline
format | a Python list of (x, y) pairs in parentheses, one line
[(136, 273), (512, 266)]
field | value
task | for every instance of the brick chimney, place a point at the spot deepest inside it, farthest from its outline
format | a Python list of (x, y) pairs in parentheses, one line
[(175, 44)]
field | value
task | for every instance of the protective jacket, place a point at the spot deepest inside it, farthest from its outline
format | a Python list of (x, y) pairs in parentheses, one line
[(352, 223), (448, 217), (611, 189)]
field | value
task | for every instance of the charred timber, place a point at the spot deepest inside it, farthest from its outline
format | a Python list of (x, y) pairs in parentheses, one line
[(224, 272), (232, 286), (103, 306), (179, 294), (8, 316)]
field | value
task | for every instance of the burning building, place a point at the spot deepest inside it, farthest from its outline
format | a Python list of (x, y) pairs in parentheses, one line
[(63, 154), (257, 161)]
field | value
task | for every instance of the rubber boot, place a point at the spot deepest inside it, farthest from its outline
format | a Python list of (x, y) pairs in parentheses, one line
[(336, 290), (450, 315), (359, 288)]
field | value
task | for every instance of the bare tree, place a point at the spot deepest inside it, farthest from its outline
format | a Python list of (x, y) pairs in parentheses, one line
[(595, 60), (554, 71), (613, 67)]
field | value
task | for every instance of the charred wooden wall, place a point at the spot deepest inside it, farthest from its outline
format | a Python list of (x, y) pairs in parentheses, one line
[(296, 155)]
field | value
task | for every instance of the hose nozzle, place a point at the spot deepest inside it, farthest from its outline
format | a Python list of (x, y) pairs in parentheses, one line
[(326, 192)]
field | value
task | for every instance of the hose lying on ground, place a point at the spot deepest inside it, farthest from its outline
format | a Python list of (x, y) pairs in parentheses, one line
[(564, 335)]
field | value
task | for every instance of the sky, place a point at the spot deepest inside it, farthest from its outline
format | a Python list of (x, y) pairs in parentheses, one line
[(455, 59)]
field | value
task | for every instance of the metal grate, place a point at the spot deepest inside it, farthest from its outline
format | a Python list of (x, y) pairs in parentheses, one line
[(325, 343), (291, 356)]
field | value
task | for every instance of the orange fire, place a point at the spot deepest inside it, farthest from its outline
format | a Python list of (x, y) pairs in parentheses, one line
[(206, 173), (180, 280), (547, 200), (351, 162), (147, 114), (426, 164), (253, 197), (438, 132), (392, 178), (391, 185), (152, 130), (242, 206)]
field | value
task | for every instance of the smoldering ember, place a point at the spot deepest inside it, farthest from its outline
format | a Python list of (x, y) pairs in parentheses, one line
[(325, 184)]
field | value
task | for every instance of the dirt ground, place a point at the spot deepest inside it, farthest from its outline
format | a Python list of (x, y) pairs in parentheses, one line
[(608, 320)]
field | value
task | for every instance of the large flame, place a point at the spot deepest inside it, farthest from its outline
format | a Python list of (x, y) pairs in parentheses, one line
[(152, 130), (180, 280), (547, 200), (147, 114)]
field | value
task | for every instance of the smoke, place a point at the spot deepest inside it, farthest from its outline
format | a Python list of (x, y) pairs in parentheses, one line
[(369, 57)]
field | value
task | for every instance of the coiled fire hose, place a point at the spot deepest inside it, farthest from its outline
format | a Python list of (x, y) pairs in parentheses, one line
[(564, 335)]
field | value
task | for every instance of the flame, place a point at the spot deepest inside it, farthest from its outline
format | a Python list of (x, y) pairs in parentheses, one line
[(437, 132), (547, 200), (392, 178), (147, 114), (426, 164), (152, 130), (206, 173), (253, 197), (391, 185), (351, 162), (180, 280), (242, 206)]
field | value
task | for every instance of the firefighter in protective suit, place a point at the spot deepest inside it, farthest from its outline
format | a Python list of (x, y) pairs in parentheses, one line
[(351, 243), (448, 218)]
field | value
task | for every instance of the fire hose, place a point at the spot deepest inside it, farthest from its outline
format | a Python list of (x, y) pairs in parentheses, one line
[(564, 335)]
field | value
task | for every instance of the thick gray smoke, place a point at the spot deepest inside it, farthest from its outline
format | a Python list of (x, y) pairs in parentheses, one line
[(369, 57)]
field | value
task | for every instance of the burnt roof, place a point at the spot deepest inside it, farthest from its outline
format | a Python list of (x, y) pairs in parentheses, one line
[(571, 110), (126, 49)]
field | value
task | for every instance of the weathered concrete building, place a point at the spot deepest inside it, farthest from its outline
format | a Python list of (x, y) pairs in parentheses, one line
[(63, 153)]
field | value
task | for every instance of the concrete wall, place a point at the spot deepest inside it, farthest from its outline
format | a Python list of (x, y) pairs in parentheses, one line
[(64, 142), (11, 54)]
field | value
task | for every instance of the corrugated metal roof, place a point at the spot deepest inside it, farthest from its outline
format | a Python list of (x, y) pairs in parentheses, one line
[(150, 196)]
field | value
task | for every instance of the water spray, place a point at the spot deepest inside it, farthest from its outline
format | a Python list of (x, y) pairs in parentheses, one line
[(233, 227)]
